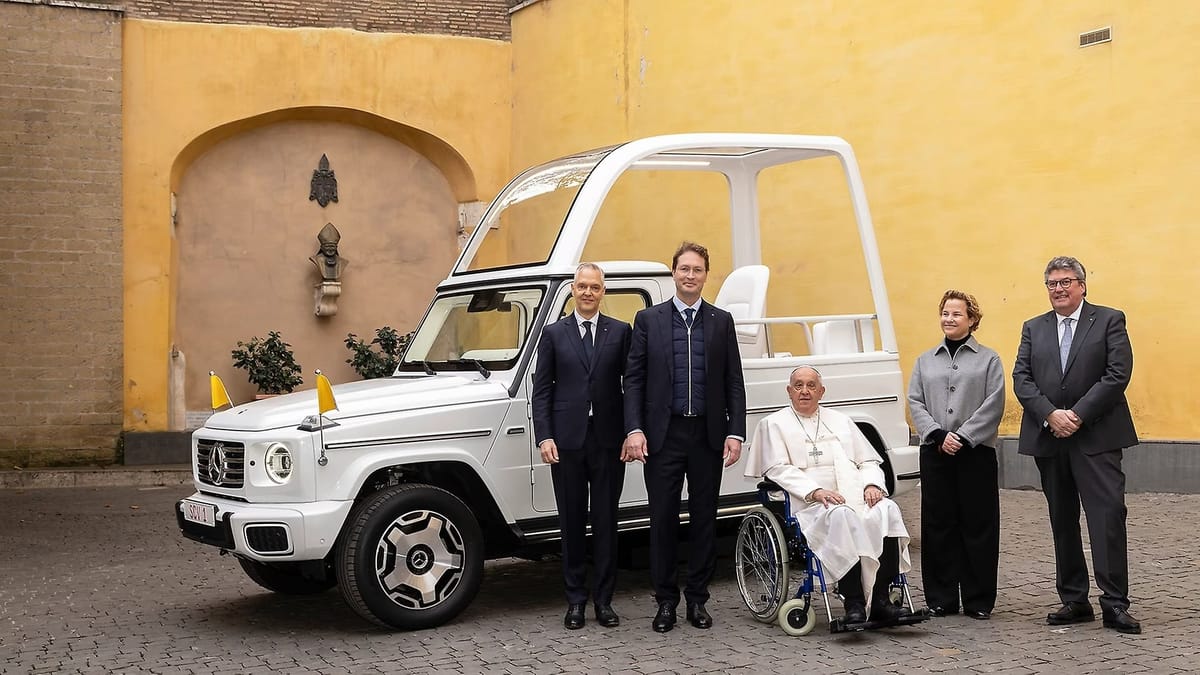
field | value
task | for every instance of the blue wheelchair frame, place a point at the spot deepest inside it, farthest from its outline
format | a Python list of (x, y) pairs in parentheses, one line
[(797, 549)]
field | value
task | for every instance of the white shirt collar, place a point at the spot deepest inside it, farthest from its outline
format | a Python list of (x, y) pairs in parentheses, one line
[(579, 319), (679, 306), (1074, 315), (815, 415)]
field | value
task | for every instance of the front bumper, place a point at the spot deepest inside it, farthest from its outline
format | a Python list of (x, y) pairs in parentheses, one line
[(268, 532)]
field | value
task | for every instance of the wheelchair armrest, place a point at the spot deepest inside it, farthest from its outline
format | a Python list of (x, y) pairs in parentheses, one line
[(770, 491)]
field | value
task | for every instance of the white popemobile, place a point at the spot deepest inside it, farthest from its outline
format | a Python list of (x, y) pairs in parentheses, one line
[(400, 493)]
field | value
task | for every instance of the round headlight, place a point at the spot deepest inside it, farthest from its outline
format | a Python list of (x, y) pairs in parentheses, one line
[(279, 463)]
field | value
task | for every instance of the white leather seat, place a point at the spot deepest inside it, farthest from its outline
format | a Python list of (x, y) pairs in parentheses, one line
[(744, 295), (838, 337)]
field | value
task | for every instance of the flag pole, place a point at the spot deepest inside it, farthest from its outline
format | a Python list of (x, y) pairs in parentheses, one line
[(325, 403)]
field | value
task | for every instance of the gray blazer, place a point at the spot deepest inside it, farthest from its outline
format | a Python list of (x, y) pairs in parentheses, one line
[(1093, 384), (963, 394)]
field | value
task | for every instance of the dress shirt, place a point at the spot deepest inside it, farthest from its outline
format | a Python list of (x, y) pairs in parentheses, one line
[(579, 323), (680, 306), (1074, 317)]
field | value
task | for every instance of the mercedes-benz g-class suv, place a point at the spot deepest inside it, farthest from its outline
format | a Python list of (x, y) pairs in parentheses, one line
[(400, 493)]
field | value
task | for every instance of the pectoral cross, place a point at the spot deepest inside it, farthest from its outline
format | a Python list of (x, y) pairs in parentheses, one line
[(815, 454)]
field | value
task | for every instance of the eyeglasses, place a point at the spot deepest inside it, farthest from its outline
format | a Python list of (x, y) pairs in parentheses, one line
[(1061, 283)]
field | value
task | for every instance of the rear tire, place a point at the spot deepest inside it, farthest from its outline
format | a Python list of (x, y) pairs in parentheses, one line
[(285, 578), (760, 561), (411, 557)]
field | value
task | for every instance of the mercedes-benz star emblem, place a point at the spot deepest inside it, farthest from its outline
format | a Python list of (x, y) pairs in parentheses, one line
[(216, 464)]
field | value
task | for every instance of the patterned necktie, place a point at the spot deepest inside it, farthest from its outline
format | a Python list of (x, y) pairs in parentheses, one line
[(688, 315), (587, 341), (1065, 347)]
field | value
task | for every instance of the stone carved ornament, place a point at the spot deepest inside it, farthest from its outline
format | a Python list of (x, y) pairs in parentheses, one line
[(324, 184), (330, 265)]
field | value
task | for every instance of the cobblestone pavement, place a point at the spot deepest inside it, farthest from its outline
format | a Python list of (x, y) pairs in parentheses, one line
[(98, 580)]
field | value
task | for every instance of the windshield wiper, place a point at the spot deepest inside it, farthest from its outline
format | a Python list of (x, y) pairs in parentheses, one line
[(428, 368), (482, 368)]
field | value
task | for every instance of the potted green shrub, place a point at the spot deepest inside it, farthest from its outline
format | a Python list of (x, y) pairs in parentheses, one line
[(269, 363), (370, 362)]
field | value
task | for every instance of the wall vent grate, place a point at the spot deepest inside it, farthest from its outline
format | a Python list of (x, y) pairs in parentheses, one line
[(1095, 37)]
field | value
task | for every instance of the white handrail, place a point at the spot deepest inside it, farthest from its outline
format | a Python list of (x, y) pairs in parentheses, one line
[(806, 319)]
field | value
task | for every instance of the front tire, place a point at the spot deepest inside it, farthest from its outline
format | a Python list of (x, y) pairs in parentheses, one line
[(797, 617), (411, 557), (285, 578)]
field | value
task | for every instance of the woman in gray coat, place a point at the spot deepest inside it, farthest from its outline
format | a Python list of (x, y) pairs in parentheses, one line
[(956, 397)]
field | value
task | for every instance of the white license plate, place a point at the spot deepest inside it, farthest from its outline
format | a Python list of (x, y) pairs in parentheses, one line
[(203, 514)]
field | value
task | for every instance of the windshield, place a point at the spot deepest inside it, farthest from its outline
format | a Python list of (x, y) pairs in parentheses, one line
[(524, 222), (464, 330)]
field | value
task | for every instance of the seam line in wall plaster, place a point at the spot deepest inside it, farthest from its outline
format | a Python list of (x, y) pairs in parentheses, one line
[(71, 4)]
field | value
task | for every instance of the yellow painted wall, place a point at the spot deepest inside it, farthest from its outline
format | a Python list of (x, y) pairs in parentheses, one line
[(188, 86), (989, 142)]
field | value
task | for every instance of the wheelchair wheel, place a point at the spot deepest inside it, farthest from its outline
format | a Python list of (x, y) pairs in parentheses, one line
[(760, 559), (797, 617)]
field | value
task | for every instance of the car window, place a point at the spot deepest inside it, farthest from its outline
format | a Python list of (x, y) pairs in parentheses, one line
[(619, 303)]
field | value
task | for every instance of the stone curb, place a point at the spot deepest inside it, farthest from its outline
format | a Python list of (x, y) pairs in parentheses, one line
[(180, 474)]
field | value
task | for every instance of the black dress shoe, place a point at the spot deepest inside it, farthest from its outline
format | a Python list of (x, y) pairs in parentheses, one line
[(938, 610), (698, 616), (664, 620), (1071, 613), (574, 618), (605, 616), (979, 614), (856, 612), (886, 611), (1122, 622)]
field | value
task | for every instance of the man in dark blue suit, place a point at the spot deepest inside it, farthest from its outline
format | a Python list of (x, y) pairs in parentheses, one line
[(578, 424), (1071, 372), (685, 411)]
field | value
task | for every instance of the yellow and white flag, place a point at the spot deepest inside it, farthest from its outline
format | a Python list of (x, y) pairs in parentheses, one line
[(220, 397), (325, 400)]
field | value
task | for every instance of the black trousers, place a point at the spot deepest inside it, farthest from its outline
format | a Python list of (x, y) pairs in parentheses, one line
[(597, 471), (686, 452), (1099, 482), (960, 528), (851, 588)]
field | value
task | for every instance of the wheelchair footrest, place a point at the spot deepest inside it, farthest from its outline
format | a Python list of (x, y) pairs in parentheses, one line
[(839, 625)]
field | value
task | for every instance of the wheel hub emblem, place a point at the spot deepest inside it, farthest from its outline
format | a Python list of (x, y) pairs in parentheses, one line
[(420, 559)]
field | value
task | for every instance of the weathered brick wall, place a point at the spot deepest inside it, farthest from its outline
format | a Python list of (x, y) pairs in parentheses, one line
[(60, 234), (472, 18)]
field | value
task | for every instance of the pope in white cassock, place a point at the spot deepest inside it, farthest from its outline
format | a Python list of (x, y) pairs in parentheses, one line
[(837, 493)]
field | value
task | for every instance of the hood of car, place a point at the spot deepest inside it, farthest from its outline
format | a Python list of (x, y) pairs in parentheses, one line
[(359, 399)]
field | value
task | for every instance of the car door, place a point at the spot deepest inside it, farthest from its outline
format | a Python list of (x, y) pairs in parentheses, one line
[(623, 298)]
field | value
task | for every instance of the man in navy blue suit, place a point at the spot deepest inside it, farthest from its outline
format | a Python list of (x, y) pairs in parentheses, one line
[(578, 424), (685, 412)]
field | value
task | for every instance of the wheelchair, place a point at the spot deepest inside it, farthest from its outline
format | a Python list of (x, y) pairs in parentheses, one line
[(769, 545)]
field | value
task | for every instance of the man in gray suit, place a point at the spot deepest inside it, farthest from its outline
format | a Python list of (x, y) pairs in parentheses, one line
[(1071, 372)]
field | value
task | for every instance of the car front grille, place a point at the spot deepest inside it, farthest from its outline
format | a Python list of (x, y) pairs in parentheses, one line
[(221, 463)]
